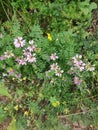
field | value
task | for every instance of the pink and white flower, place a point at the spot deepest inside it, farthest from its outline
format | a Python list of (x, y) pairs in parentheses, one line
[(2, 57), (77, 62), (31, 42), (53, 57), (31, 48), (31, 58), (8, 54), (11, 71), (54, 66), (90, 67), (4, 74), (26, 53), (77, 81), (19, 42), (21, 61), (59, 72)]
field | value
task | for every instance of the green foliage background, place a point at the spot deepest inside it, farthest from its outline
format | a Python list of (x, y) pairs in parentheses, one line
[(68, 23)]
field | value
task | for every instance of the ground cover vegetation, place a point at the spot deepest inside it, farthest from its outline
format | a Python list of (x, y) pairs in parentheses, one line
[(49, 64)]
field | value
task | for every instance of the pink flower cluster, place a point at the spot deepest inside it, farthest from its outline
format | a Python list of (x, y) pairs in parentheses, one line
[(54, 66), (78, 63), (28, 55), (31, 58), (21, 61), (57, 70), (18, 75), (2, 57), (77, 81), (53, 57), (11, 72), (90, 67), (7, 54), (32, 47), (19, 42)]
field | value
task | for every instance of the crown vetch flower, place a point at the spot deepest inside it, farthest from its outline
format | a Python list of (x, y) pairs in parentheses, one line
[(53, 57), (77, 62), (31, 58), (77, 81), (59, 72), (26, 53), (31, 42), (31, 48), (19, 42), (2, 57), (90, 67), (11, 71), (8, 54), (54, 66), (21, 61)]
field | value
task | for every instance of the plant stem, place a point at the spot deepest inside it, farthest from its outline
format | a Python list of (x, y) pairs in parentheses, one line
[(4, 10)]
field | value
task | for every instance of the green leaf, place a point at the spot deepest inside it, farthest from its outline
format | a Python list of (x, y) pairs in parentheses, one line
[(93, 6), (36, 32), (2, 115), (3, 90), (12, 125), (1, 65)]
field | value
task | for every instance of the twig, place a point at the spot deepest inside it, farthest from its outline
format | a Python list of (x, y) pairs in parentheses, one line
[(79, 113)]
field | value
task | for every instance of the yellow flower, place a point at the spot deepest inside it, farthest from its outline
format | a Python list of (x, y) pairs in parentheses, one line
[(66, 110), (32, 81), (49, 37), (91, 126), (24, 78), (26, 113), (55, 104), (16, 107), (5, 108), (40, 95), (14, 120), (11, 69), (13, 79)]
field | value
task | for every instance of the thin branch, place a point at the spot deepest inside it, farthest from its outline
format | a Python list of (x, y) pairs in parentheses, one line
[(79, 113)]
